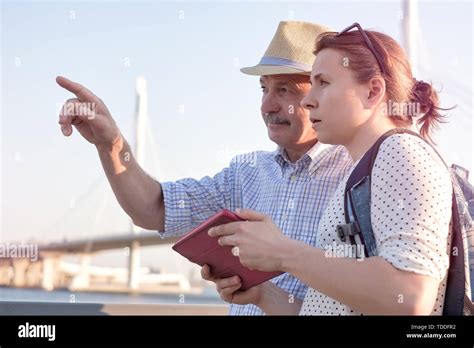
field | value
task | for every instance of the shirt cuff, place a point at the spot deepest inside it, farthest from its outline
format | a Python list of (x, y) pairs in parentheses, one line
[(177, 211)]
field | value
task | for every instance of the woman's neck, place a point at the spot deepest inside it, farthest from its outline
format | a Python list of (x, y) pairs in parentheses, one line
[(365, 137)]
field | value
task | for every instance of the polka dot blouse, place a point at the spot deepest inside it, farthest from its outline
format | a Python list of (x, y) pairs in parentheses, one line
[(410, 214)]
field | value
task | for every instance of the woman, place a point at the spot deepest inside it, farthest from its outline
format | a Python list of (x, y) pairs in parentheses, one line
[(362, 87)]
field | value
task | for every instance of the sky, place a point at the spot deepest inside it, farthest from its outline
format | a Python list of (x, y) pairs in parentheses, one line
[(202, 109)]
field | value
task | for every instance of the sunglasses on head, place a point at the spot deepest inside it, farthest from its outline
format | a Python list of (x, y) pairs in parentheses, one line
[(367, 41)]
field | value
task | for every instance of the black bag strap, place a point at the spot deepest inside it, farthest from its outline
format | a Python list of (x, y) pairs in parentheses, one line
[(362, 170), (364, 167)]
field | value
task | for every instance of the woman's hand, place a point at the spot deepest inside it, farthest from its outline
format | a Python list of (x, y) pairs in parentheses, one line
[(258, 242)]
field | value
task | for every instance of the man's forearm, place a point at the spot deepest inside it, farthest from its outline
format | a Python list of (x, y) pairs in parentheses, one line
[(137, 193)]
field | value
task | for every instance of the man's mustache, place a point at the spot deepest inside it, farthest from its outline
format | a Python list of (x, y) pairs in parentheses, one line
[(275, 119)]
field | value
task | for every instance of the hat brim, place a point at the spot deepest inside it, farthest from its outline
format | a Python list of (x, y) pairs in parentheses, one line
[(261, 70)]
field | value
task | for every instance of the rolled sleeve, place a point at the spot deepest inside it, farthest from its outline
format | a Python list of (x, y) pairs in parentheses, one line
[(189, 202), (177, 213), (411, 207)]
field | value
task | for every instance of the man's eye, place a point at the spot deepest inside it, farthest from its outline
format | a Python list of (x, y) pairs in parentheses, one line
[(283, 89), (262, 88)]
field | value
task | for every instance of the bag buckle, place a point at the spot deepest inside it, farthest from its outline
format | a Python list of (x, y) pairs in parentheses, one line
[(347, 230)]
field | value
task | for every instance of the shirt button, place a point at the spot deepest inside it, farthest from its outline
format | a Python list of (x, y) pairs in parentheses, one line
[(293, 178)]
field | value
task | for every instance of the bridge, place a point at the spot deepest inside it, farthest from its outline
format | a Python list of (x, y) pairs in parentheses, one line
[(50, 272)]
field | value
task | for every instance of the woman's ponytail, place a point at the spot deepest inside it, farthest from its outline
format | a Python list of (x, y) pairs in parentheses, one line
[(429, 117)]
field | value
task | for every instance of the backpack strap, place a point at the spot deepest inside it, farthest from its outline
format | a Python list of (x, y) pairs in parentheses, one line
[(358, 225), (455, 285)]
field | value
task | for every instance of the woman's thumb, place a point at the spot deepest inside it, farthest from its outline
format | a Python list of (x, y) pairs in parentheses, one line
[(251, 215)]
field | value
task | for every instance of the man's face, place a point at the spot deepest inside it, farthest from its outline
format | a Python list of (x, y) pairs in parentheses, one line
[(336, 100), (287, 121)]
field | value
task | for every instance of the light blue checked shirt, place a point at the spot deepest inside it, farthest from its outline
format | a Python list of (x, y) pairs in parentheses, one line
[(294, 195)]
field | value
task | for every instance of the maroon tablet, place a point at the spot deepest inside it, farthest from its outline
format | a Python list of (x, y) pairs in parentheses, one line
[(198, 247)]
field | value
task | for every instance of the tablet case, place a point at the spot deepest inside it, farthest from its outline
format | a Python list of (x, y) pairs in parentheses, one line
[(198, 247)]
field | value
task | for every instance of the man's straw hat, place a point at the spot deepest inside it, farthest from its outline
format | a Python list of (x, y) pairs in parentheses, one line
[(290, 51)]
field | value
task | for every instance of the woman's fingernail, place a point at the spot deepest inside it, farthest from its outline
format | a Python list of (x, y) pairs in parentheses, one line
[(210, 231)]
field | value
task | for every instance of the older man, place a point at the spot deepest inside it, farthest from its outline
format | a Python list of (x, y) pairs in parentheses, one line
[(292, 185)]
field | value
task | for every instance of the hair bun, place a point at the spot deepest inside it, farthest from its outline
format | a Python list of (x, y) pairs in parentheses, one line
[(423, 94)]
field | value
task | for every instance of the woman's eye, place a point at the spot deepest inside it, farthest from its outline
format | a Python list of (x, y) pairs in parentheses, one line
[(283, 89), (323, 83), (262, 88)]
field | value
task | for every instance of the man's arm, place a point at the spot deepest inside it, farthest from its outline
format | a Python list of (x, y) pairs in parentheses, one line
[(137, 193)]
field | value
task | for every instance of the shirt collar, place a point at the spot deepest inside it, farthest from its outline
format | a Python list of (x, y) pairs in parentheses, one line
[(310, 158)]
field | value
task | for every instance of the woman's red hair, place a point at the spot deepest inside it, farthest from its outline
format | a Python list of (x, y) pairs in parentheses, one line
[(400, 85)]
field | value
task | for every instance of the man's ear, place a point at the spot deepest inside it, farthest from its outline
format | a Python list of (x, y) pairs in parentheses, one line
[(376, 88)]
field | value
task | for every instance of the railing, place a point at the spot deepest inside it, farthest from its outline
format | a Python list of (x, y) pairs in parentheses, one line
[(61, 308)]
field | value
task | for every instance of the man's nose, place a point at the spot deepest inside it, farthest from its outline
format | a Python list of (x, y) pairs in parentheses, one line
[(269, 105)]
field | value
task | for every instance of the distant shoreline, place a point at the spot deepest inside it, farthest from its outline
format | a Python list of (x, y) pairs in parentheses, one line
[(207, 296)]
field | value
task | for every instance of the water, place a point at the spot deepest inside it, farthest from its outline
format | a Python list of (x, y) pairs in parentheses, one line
[(209, 296)]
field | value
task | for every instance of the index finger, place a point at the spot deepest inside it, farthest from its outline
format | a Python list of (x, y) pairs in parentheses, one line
[(224, 229), (82, 93)]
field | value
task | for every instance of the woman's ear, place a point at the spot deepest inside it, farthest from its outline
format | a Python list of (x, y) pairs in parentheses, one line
[(376, 91)]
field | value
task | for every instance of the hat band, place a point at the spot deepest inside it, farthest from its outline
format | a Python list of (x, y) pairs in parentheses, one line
[(284, 62)]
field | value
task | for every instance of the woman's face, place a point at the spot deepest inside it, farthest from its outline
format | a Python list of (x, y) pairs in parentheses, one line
[(337, 103)]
